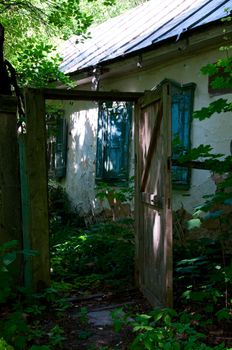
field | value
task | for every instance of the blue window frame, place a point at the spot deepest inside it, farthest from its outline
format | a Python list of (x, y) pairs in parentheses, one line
[(182, 109), (113, 139), (61, 148), (57, 132)]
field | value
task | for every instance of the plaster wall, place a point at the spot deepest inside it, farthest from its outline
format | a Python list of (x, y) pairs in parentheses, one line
[(80, 174), (79, 181), (216, 131)]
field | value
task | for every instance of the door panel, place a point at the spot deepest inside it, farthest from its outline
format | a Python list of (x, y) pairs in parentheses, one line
[(153, 196)]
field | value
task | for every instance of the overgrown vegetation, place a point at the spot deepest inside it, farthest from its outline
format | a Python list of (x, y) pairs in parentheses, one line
[(202, 314), (100, 257), (95, 258), (202, 317)]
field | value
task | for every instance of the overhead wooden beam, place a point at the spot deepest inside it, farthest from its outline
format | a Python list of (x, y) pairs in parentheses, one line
[(202, 165), (64, 94)]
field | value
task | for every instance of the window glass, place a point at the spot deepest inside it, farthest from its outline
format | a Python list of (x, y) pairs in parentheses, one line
[(114, 125), (182, 108)]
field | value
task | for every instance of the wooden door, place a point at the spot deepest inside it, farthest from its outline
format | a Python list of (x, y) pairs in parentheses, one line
[(153, 196)]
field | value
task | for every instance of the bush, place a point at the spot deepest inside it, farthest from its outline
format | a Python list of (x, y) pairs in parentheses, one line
[(165, 329), (105, 249), (4, 345), (60, 208)]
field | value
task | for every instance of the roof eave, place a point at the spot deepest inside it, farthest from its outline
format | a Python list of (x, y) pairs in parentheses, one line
[(86, 73)]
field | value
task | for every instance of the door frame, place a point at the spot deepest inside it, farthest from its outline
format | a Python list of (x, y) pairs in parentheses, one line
[(39, 273)]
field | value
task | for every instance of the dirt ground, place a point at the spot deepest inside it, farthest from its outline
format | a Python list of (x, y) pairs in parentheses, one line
[(87, 323), (80, 331)]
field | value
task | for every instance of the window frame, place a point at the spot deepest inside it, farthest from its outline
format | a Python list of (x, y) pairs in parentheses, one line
[(190, 89), (103, 148)]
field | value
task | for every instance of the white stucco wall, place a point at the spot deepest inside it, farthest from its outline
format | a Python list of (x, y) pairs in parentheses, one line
[(80, 175), (216, 131), (79, 181)]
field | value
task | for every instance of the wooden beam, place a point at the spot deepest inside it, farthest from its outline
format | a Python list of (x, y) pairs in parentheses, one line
[(10, 207), (167, 190), (152, 147), (35, 198), (138, 207), (150, 97), (8, 104), (64, 94), (201, 165)]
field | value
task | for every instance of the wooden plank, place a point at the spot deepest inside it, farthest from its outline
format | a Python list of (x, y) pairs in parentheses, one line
[(10, 207), (150, 97), (152, 147), (153, 299), (148, 215), (25, 210), (138, 209), (62, 94), (202, 165), (154, 222), (36, 205), (167, 127), (8, 104)]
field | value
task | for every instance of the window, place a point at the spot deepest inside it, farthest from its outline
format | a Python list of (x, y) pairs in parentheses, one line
[(182, 108), (61, 148), (56, 145), (113, 138)]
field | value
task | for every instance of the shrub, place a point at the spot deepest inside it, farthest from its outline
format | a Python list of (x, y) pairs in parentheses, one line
[(105, 249)]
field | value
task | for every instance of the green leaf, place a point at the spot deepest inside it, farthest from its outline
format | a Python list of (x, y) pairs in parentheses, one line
[(218, 106), (193, 223), (142, 328), (209, 69), (8, 245), (9, 258), (224, 314), (40, 347)]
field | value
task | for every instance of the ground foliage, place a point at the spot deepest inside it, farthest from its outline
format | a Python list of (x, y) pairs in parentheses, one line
[(100, 259), (96, 258), (201, 318)]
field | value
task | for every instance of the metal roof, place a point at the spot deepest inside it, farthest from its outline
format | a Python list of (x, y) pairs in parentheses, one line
[(139, 28)]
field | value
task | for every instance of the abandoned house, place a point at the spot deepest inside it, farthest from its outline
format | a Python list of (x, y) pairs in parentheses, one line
[(159, 41)]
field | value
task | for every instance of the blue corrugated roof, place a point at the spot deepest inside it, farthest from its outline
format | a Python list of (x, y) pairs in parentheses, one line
[(139, 28)]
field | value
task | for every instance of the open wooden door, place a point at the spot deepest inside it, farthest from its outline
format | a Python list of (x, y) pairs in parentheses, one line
[(153, 196)]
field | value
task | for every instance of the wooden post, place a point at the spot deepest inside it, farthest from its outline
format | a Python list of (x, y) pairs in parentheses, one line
[(10, 217), (138, 209), (34, 191)]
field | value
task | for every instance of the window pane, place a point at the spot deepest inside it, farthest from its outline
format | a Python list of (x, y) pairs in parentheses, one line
[(113, 140), (182, 105)]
